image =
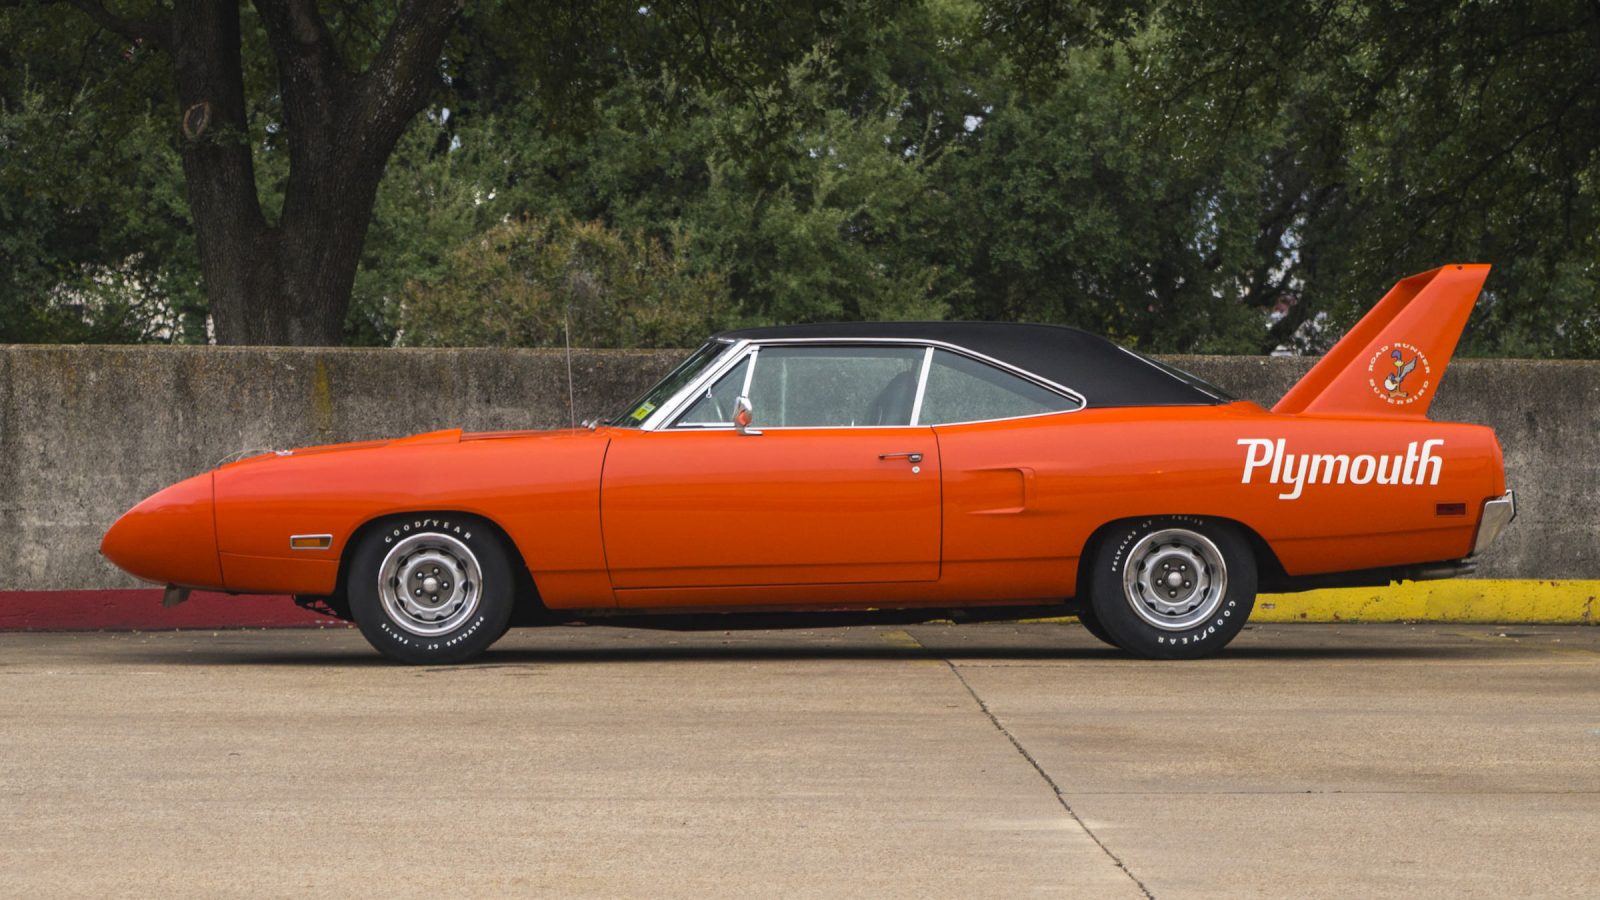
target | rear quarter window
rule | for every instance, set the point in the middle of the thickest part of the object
(962, 389)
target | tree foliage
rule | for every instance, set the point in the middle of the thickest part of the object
(542, 282)
(1206, 176)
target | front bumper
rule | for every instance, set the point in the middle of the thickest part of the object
(1497, 514)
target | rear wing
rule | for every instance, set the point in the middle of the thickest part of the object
(1391, 362)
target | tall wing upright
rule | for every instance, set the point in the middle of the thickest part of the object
(1415, 325)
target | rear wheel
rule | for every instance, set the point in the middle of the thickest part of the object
(1173, 587)
(431, 589)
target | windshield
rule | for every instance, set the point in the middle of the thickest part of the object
(686, 371)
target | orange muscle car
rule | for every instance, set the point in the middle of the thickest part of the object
(892, 471)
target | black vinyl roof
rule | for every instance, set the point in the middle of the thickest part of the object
(1104, 373)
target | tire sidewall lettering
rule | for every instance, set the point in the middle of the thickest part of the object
(1132, 535)
(496, 597)
(445, 526)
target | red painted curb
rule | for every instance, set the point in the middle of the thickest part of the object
(140, 609)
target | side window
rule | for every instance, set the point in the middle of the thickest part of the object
(962, 389)
(715, 406)
(840, 386)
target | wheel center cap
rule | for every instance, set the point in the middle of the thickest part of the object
(430, 584)
(1174, 579)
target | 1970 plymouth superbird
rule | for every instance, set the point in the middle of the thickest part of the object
(901, 471)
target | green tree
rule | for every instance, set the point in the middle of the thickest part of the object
(833, 215)
(95, 243)
(541, 282)
(341, 83)
(1216, 175)
(1075, 210)
(1409, 135)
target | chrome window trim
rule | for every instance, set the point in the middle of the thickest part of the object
(722, 367)
(750, 370)
(766, 428)
(1038, 415)
(922, 386)
(680, 401)
(1024, 374)
(662, 417)
(675, 398)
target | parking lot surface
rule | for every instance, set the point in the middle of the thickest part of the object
(971, 761)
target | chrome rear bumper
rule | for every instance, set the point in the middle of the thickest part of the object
(1497, 514)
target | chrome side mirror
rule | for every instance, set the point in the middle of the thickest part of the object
(743, 416)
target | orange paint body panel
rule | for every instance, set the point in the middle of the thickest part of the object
(809, 506)
(169, 537)
(541, 489)
(1346, 473)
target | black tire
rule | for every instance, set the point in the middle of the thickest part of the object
(464, 563)
(1206, 573)
(1091, 624)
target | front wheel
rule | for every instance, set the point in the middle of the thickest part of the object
(1091, 624)
(431, 589)
(1173, 587)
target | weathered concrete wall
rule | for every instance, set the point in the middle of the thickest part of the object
(85, 432)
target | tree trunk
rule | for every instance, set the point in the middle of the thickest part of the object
(290, 283)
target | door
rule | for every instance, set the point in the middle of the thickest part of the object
(836, 488)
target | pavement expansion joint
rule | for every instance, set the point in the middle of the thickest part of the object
(1060, 797)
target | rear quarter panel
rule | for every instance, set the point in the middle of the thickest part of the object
(1088, 468)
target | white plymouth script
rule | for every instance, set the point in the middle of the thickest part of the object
(1301, 469)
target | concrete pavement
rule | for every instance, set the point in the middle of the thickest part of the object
(972, 761)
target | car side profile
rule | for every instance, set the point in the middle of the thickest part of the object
(889, 471)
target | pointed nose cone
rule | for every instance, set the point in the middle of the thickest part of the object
(170, 538)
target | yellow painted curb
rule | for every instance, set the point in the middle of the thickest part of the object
(1465, 600)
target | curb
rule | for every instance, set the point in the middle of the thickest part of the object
(1463, 600)
(139, 609)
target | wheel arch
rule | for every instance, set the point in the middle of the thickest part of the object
(1269, 571)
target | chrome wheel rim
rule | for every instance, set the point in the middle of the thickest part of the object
(1175, 579)
(430, 584)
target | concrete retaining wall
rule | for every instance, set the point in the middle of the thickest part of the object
(85, 432)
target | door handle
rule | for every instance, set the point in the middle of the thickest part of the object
(912, 456)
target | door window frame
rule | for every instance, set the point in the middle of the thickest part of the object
(665, 418)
